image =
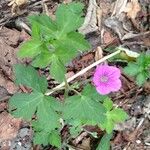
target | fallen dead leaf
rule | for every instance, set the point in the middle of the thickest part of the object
(3, 106)
(107, 37)
(85, 144)
(128, 125)
(67, 1)
(9, 126)
(24, 36)
(98, 53)
(146, 41)
(90, 22)
(130, 53)
(16, 4)
(7, 84)
(8, 58)
(132, 8)
(119, 7)
(147, 87)
(9, 42)
(118, 139)
(69, 74)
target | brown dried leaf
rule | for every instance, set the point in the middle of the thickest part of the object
(107, 37)
(132, 8)
(18, 2)
(69, 74)
(146, 41)
(9, 40)
(7, 84)
(9, 126)
(119, 7)
(98, 53)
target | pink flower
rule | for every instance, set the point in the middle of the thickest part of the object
(107, 79)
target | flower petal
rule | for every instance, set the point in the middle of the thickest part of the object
(113, 72)
(114, 85)
(96, 80)
(103, 90)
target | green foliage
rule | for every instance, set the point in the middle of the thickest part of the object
(77, 111)
(45, 108)
(29, 77)
(45, 138)
(105, 142)
(84, 108)
(75, 127)
(113, 115)
(139, 69)
(57, 69)
(56, 42)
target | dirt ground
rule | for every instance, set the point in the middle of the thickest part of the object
(108, 24)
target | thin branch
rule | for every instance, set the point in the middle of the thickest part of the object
(83, 71)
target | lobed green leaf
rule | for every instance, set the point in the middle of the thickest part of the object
(30, 49)
(57, 69)
(28, 76)
(105, 142)
(68, 17)
(132, 69)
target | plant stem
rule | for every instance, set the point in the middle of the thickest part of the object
(67, 87)
(83, 71)
(75, 91)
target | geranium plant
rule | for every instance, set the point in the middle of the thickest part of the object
(55, 43)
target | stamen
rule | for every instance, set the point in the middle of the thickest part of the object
(104, 79)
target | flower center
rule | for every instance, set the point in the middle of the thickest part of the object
(104, 79)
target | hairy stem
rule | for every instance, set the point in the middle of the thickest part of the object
(83, 71)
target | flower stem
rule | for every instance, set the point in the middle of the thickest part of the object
(67, 87)
(83, 71)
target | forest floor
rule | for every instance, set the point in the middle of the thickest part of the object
(109, 24)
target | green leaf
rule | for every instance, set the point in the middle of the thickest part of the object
(115, 115)
(64, 52)
(141, 78)
(75, 41)
(105, 142)
(118, 115)
(75, 127)
(132, 69)
(26, 105)
(47, 115)
(44, 137)
(108, 125)
(30, 48)
(68, 17)
(139, 69)
(45, 22)
(85, 109)
(141, 59)
(28, 76)
(75, 131)
(41, 137)
(55, 139)
(90, 91)
(42, 60)
(56, 38)
(108, 104)
(36, 31)
(57, 69)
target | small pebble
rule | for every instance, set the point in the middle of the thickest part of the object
(138, 141)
